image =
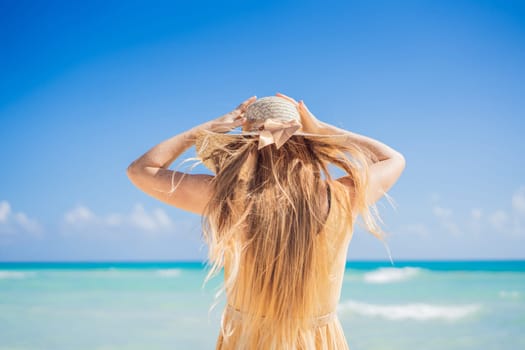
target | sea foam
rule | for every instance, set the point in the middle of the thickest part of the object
(411, 311)
(169, 272)
(391, 274)
(5, 274)
(509, 294)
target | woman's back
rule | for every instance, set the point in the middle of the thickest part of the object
(332, 245)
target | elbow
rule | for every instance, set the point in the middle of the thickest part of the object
(132, 170)
(401, 160)
(402, 157)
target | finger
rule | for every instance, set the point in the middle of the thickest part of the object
(300, 107)
(304, 112)
(240, 121)
(246, 103)
(280, 94)
(240, 115)
(286, 97)
(227, 126)
(303, 107)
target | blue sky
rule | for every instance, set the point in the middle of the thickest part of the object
(85, 89)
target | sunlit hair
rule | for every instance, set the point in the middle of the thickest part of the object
(264, 226)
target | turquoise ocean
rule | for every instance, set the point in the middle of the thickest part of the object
(164, 305)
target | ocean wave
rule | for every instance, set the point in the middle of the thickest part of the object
(391, 274)
(5, 274)
(411, 311)
(169, 272)
(509, 294)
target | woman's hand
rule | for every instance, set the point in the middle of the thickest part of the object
(310, 123)
(150, 172)
(230, 120)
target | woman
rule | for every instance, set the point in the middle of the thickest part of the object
(273, 216)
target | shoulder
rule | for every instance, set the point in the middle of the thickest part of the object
(343, 195)
(338, 228)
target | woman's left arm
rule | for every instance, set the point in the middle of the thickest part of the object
(150, 171)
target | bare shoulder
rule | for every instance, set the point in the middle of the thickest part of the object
(346, 186)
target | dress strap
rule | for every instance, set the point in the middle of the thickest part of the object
(316, 321)
(329, 193)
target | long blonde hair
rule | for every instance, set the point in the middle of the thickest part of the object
(264, 224)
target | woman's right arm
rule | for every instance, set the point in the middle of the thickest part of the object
(384, 173)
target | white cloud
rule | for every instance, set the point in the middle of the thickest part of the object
(79, 216)
(444, 216)
(518, 212)
(12, 222)
(114, 219)
(5, 210)
(518, 201)
(498, 220)
(154, 221)
(452, 227)
(442, 213)
(476, 214)
(27, 223)
(417, 229)
(511, 221)
(475, 223)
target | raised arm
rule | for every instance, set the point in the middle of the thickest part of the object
(384, 173)
(150, 171)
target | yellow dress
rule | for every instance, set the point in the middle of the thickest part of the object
(329, 334)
